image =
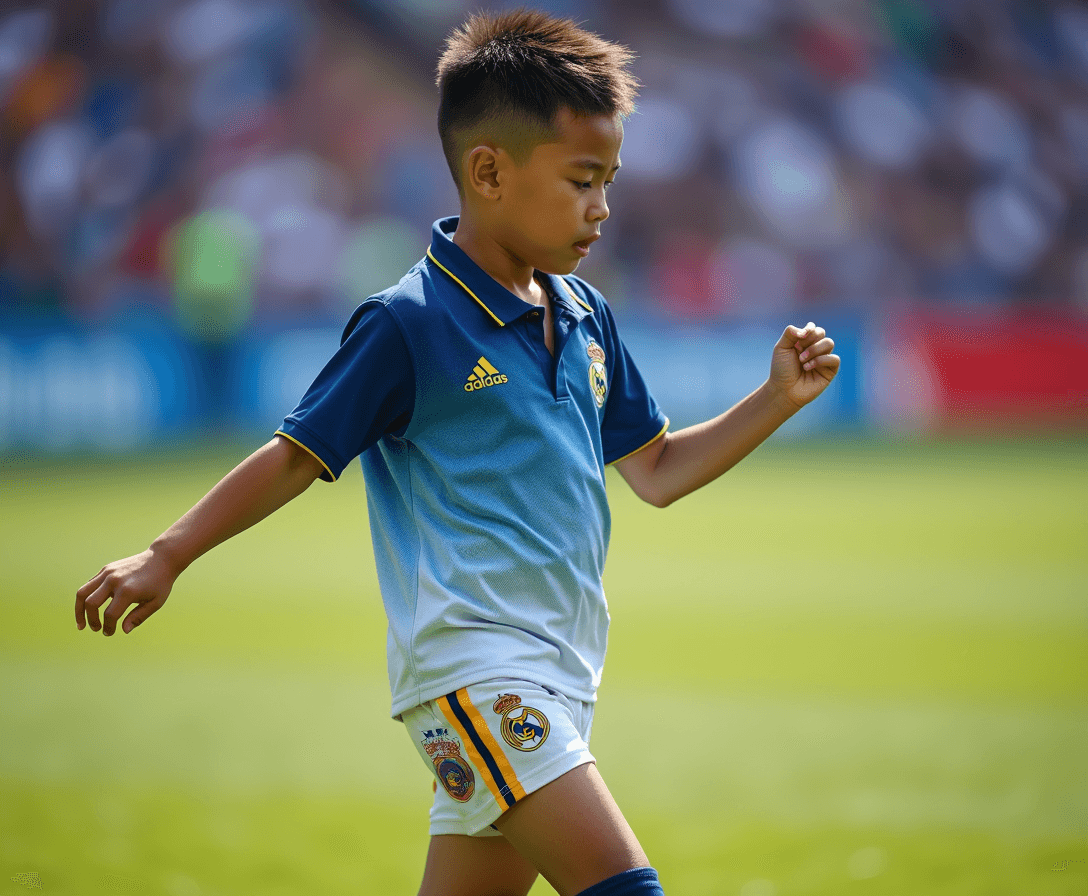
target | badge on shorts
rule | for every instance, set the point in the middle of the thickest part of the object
(523, 727)
(451, 769)
(598, 379)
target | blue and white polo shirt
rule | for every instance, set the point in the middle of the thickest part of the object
(484, 458)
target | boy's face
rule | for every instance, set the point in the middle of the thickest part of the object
(552, 207)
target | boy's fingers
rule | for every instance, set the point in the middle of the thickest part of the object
(810, 338)
(92, 603)
(115, 611)
(91, 584)
(825, 363)
(85, 591)
(817, 348)
(791, 335)
(137, 616)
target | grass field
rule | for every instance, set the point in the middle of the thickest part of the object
(845, 668)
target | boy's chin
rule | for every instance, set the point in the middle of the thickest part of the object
(560, 269)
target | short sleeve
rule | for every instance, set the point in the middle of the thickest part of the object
(364, 391)
(632, 418)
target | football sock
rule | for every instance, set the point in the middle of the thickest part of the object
(635, 882)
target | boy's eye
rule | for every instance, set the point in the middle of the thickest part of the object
(588, 184)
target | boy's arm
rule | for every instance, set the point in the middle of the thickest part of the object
(678, 463)
(262, 483)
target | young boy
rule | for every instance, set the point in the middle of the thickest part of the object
(486, 393)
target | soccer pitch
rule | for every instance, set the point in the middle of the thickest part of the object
(847, 667)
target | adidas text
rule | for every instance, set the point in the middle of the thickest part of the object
(476, 383)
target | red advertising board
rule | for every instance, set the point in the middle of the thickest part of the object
(984, 368)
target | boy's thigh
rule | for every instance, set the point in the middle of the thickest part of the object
(572, 831)
(458, 865)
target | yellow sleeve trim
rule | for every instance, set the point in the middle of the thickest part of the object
(465, 288)
(637, 450)
(574, 296)
(280, 432)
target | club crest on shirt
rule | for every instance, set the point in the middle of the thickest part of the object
(450, 767)
(523, 727)
(598, 379)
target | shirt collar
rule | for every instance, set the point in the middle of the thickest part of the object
(492, 298)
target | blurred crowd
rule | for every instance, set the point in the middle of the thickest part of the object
(231, 163)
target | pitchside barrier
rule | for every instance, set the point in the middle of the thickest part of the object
(65, 388)
(990, 369)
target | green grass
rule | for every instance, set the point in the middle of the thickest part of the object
(844, 668)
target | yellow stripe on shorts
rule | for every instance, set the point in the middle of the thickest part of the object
(482, 747)
(470, 748)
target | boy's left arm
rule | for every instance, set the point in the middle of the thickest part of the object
(676, 464)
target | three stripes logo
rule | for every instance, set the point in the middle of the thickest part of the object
(483, 375)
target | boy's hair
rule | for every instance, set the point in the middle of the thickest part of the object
(506, 76)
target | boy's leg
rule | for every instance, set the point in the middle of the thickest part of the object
(459, 865)
(573, 832)
(516, 754)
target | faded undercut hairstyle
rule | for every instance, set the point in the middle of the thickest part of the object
(504, 77)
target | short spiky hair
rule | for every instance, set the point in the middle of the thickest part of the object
(506, 76)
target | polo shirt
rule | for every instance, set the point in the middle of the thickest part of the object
(484, 458)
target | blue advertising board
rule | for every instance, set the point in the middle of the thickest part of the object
(139, 383)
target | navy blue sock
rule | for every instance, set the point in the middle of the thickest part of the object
(635, 882)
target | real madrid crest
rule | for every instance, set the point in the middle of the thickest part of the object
(450, 767)
(523, 727)
(598, 378)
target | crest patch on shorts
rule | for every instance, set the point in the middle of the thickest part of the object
(450, 767)
(523, 727)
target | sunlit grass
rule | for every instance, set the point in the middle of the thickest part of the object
(843, 668)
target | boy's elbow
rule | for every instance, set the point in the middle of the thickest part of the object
(646, 476)
(648, 487)
(655, 497)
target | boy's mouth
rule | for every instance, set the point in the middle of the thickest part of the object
(583, 247)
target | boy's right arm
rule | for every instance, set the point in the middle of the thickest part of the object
(262, 483)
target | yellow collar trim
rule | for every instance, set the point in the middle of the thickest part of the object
(482, 305)
(465, 288)
(575, 297)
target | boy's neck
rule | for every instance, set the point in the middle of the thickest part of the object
(496, 261)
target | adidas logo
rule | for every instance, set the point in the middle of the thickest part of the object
(483, 375)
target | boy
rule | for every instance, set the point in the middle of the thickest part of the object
(485, 394)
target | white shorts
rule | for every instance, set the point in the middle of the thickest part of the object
(493, 743)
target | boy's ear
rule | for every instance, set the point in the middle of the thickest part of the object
(483, 172)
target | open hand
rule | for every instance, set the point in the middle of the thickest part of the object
(802, 364)
(144, 579)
